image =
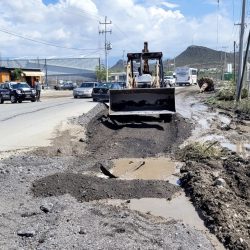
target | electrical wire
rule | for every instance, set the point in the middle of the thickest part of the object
(40, 41)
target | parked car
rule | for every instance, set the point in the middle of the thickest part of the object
(101, 92)
(66, 86)
(169, 81)
(84, 90)
(16, 92)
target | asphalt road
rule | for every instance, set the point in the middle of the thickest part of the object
(27, 125)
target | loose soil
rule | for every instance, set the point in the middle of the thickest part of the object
(50, 197)
(225, 209)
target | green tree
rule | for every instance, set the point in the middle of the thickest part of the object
(16, 74)
(100, 73)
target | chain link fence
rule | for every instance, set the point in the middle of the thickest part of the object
(59, 69)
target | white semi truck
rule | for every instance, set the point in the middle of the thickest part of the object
(185, 76)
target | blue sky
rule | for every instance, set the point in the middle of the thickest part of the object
(50, 1)
(193, 8)
(71, 27)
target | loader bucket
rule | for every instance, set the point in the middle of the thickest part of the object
(142, 101)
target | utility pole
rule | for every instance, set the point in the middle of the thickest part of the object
(234, 61)
(245, 63)
(224, 63)
(123, 59)
(107, 46)
(240, 66)
(46, 73)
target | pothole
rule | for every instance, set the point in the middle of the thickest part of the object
(179, 208)
(241, 148)
(145, 169)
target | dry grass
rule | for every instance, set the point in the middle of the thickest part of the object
(198, 151)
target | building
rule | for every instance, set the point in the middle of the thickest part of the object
(4, 75)
(27, 75)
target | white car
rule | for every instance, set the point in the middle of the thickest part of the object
(84, 90)
(169, 80)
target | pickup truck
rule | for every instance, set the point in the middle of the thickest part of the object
(16, 92)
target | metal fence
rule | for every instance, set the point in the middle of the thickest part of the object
(74, 69)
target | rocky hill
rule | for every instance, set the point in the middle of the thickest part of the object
(202, 57)
(193, 56)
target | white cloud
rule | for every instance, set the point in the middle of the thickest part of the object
(74, 23)
(170, 5)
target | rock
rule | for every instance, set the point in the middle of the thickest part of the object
(81, 140)
(27, 232)
(46, 207)
(216, 174)
(120, 230)
(233, 126)
(220, 182)
(225, 127)
(82, 231)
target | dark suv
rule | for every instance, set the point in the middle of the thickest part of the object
(16, 92)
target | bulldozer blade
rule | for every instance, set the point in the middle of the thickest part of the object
(142, 101)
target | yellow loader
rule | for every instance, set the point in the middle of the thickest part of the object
(144, 93)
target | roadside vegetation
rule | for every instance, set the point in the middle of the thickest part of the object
(198, 151)
(225, 99)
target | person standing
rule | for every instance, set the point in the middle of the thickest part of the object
(38, 90)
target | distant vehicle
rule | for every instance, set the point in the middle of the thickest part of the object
(84, 90)
(169, 81)
(101, 91)
(16, 92)
(185, 76)
(66, 86)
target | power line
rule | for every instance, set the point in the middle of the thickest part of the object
(40, 41)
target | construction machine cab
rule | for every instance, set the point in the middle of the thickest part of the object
(148, 75)
(144, 93)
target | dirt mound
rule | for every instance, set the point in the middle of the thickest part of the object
(135, 136)
(206, 84)
(220, 191)
(88, 188)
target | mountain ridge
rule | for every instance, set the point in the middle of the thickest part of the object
(193, 56)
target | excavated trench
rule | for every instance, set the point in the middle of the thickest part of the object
(141, 153)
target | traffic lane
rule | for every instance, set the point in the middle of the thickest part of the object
(8, 109)
(23, 128)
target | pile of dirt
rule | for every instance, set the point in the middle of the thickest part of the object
(219, 190)
(206, 84)
(46, 194)
(89, 188)
(135, 136)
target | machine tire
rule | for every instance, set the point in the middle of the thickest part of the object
(75, 96)
(166, 118)
(13, 99)
(20, 101)
(33, 100)
(1, 100)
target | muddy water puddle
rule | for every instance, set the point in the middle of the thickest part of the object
(179, 208)
(162, 168)
(146, 169)
(235, 140)
(240, 148)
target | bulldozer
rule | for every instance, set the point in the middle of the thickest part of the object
(145, 93)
